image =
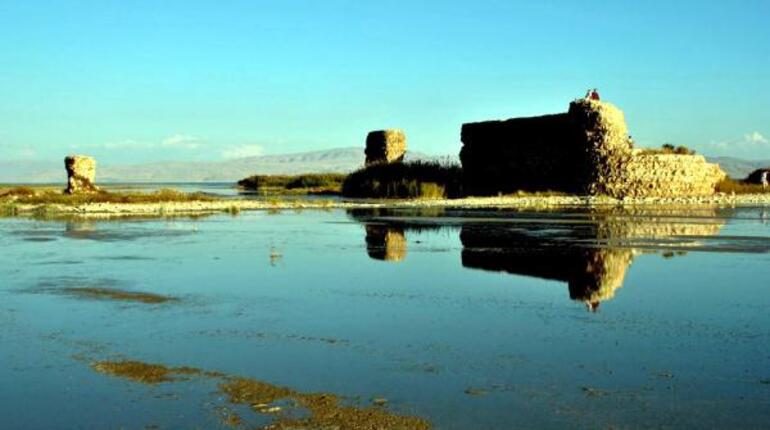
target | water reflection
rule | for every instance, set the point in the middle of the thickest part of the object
(592, 275)
(589, 251)
(386, 243)
(385, 234)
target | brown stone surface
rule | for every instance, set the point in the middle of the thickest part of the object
(385, 146)
(661, 175)
(81, 174)
(605, 145)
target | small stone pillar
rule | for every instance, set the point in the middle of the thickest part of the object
(385, 146)
(81, 174)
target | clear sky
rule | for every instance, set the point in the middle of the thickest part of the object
(132, 81)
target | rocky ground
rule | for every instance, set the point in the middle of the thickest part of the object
(236, 206)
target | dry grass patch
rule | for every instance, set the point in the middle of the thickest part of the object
(730, 186)
(668, 149)
(26, 195)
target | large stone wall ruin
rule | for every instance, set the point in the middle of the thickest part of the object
(586, 150)
(535, 153)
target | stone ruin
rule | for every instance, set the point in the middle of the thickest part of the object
(585, 150)
(385, 146)
(81, 174)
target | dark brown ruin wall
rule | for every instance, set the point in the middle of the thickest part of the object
(535, 154)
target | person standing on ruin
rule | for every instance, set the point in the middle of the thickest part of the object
(592, 94)
(763, 179)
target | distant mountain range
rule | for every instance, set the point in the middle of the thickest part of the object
(331, 160)
(738, 168)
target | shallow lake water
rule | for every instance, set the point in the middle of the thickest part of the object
(486, 319)
(222, 190)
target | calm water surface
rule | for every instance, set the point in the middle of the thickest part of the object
(217, 189)
(469, 319)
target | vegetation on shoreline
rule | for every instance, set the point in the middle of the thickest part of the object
(28, 195)
(431, 180)
(410, 181)
(309, 183)
(730, 186)
(668, 148)
(417, 179)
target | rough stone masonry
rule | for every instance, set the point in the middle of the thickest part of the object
(385, 146)
(81, 174)
(586, 150)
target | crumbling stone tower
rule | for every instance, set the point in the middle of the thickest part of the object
(607, 150)
(385, 146)
(81, 174)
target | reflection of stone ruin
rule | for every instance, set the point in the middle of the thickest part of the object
(590, 252)
(385, 243)
(81, 174)
(385, 146)
(386, 237)
(586, 150)
(80, 229)
(669, 226)
(592, 275)
(593, 272)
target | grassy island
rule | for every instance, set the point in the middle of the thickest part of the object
(309, 183)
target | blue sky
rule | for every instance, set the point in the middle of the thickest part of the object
(133, 81)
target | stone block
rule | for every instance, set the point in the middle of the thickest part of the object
(385, 146)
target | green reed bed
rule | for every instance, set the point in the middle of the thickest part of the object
(295, 184)
(417, 179)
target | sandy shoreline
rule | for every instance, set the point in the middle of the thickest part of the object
(235, 206)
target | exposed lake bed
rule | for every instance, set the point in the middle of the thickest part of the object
(482, 318)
